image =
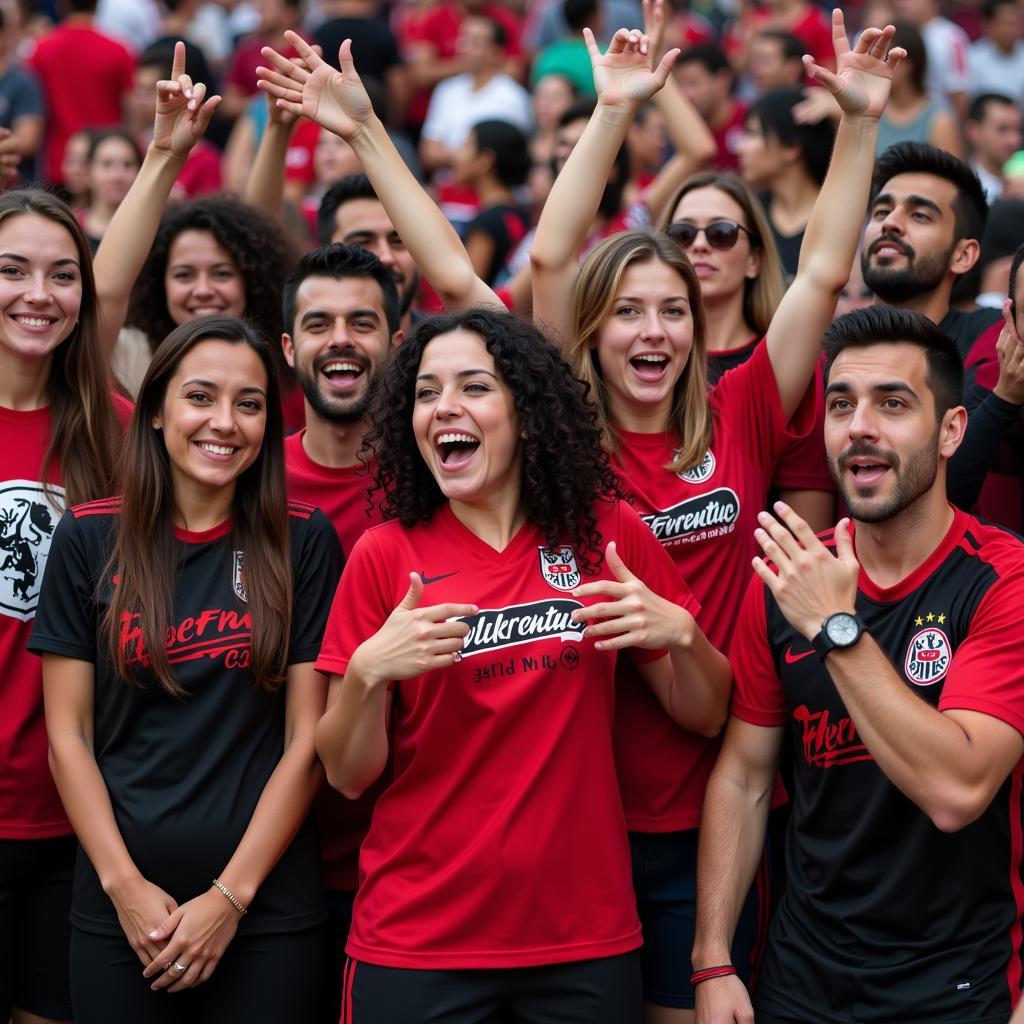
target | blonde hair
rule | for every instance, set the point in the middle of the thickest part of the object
(596, 287)
(761, 294)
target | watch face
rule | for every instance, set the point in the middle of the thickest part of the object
(841, 629)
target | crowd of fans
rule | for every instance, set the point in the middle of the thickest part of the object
(392, 393)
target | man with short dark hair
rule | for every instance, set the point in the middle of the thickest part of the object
(996, 60)
(993, 129)
(707, 80)
(775, 60)
(341, 317)
(894, 666)
(350, 212)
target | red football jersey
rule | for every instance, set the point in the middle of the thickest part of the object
(705, 518)
(341, 495)
(501, 841)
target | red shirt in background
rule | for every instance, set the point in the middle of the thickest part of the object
(86, 76)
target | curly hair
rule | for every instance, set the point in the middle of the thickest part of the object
(257, 245)
(565, 468)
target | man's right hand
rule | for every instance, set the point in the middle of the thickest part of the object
(724, 1001)
(1010, 350)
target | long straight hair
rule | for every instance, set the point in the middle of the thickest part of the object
(761, 294)
(145, 558)
(596, 287)
(84, 431)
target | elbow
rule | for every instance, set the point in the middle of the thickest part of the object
(346, 786)
(953, 812)
(542, 262)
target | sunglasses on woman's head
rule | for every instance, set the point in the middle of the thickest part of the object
(721, 234)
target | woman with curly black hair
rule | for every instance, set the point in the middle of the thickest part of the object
(495, 877)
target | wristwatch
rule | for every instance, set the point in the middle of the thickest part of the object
(838, 631)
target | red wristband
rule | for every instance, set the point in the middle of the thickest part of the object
(721, 971)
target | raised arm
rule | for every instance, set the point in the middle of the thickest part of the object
(182, 115)
(337, 101)
(688, 132)
(624, 81)
(861, 88)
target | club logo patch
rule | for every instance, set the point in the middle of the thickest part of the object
(27, 522)
(238, 576)
(928, 657)
(704, 469)
(558, 567)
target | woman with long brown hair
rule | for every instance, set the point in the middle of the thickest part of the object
(58, 438)
(697, 464)
(178, 625)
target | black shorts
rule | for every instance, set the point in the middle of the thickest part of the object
(261, 979)
(604, 991)
(35, 900)
(339, 920)
(665, 882)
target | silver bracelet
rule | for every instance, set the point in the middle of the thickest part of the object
(230, 896)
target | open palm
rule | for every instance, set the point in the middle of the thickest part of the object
(622, 75)
(863, 75)
(336, 100)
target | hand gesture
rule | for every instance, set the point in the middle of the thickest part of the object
(336, 100)
(414, 640)
(141, 906)
(811, 583)
(637, 617)
(723, 1001)
(278, 115)
(655, 24)
(182, 112)
(1010, 352)
(863, 75)
(197, 934)
(10, 157)
(622, 75)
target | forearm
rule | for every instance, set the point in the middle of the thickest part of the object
(87, 802)
(987, 427)
(572, 204)
(128, 239)
(692, 141)
(732, 834)
(926, 754)
(282, 807)
(834, 227)
(265, 187)
(701, 683)
(352, 738)
(424, 229)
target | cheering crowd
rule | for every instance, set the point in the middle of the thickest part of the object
(511, 519)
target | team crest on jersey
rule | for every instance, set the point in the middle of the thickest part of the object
(704, 469)
(558, 566)
(928, 657)
(238, 576)
(27, 522)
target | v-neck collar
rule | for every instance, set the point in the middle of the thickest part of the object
(526, 535)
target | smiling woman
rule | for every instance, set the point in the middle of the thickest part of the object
(501, 676)
(178, 625)
(58, 436)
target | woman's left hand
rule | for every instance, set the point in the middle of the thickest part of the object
(623, 75)
(199, 932)
(863, 75)
(182, 111)
(636, 617)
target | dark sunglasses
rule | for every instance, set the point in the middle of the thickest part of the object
(721, 234)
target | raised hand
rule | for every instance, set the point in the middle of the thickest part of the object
(810, 583)
(9, 155)
(863, 75)
(636, 617)
(1010, 353)
(655, 25)
(278, 115)
(414, 639)
(182, 110)
(336, 100)
(623, 76)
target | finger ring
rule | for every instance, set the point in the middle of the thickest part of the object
(180, 968)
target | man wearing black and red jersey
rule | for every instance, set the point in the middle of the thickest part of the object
(892, 659)
(341, 312)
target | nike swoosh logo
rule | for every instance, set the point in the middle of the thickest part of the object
(792, 659)
(433, 579)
